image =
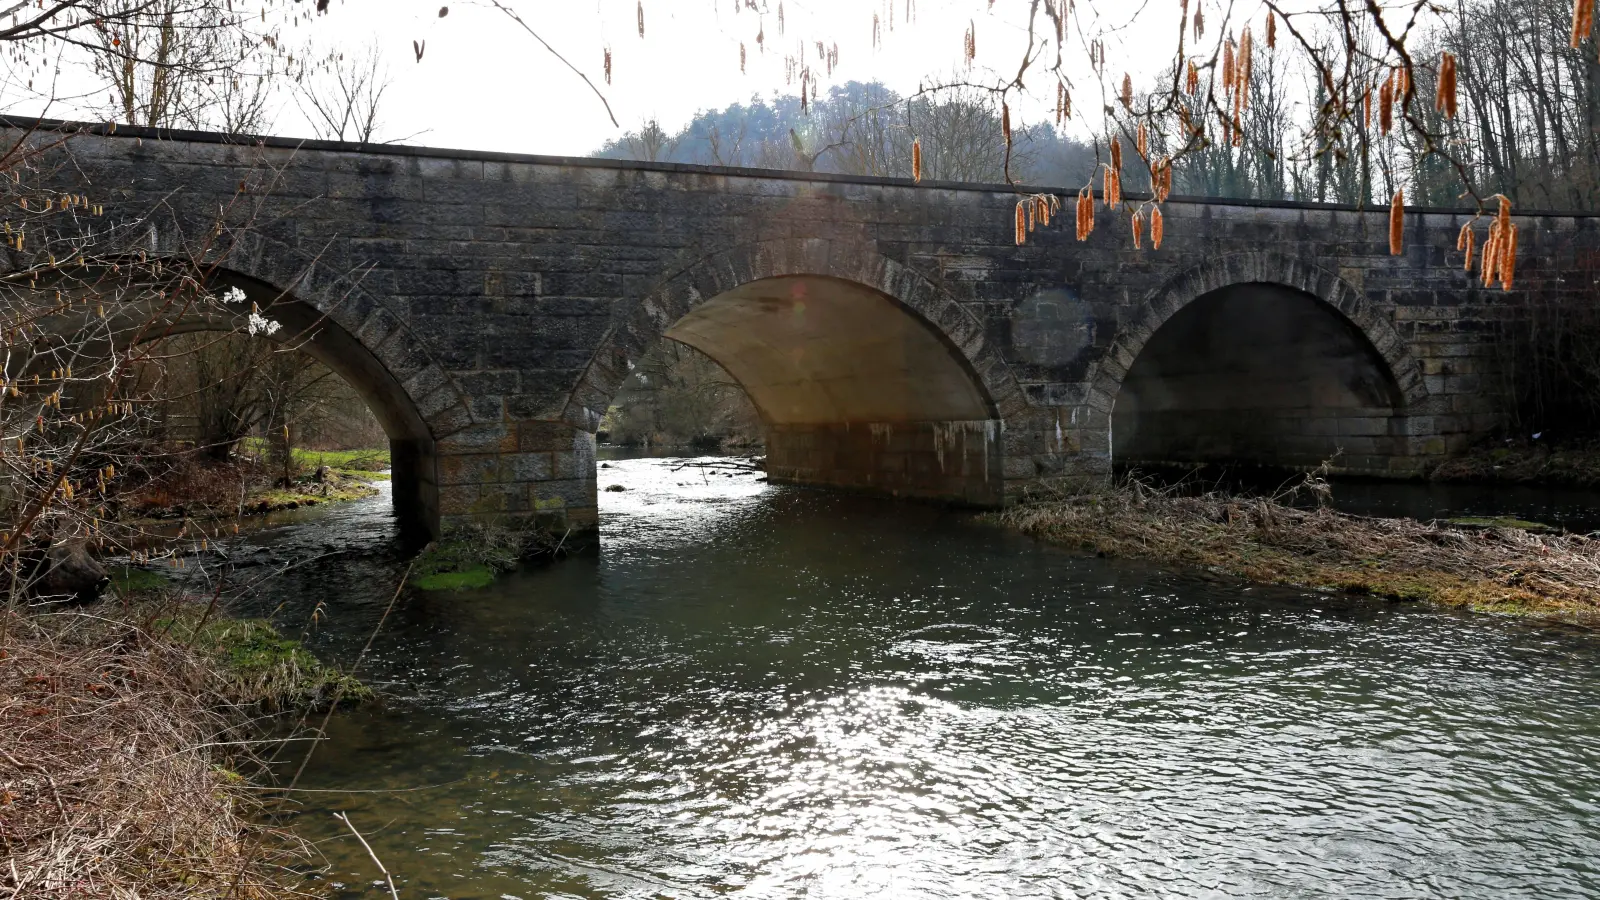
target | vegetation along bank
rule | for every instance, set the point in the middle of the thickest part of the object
(1492, 565)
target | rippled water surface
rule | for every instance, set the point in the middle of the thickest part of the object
(772, 692)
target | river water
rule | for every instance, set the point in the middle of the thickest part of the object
(776, 692)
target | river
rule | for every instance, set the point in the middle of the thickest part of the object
(776, 692)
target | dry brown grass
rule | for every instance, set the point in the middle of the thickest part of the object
(1488, 569)
(116, 768)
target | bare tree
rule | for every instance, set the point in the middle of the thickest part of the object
(651, 143)
(179, 62)
(343, 96)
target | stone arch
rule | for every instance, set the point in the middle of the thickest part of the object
(931, 426)
(857, 263)
(345, 301)
(1255, 267)
(1260, 359)
(335, 319)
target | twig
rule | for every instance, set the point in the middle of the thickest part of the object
(338, 692)
(394, 894)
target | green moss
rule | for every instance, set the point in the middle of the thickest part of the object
(260, 665)
(468, 557)
(1499, 522)
(129, 581)
(310, 495)
(465, 580)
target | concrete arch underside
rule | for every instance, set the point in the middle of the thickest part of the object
(1282, 368)
(866, 377)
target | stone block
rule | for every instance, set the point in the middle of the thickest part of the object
(468, 469)
(544, 436)
(525, 467)
(495, 437)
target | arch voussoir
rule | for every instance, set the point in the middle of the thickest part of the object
(1260, 267)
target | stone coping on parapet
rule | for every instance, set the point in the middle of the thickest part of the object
(26, 123)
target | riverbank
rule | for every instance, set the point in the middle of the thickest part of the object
(1532, 462)
(1488, 566)
(194, 487)
(127, 730)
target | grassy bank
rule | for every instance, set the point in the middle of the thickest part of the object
(192, 486)
(125, 732)
(1490, 568)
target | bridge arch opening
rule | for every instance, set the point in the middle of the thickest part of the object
(854, 389)
(307, 330)
(1260, 375)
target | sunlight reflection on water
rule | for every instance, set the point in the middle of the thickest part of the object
(783, 693)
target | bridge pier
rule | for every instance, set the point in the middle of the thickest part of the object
(414, 482)
(955, 461)
(518, 472)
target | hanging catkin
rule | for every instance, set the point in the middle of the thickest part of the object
(1142, 141)
(1112, 188)
(1464, 241)
(1508, 259)
(1397, 222)
(1582, 21)
(1272, 31)
(1242, 64)
(1127, 91)
(1157, 228)
(1505, 257)
(1386, 106)
(1138, 230)
(916, 160)
(1022, 224)
(1491, 253)
(1192, 83)
(1445, 101)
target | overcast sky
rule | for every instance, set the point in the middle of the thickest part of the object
(484, 83)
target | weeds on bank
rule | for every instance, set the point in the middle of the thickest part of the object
(119, 768)
(1488, 567)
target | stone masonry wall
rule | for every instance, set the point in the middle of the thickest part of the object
(507, 294)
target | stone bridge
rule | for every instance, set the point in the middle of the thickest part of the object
(893, 335)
